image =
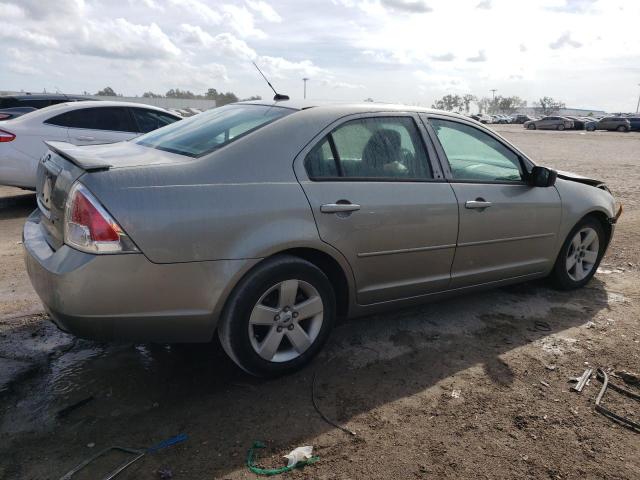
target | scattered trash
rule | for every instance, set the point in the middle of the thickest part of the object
(67, 410)
(604, 271)
(545, 383)
(136, 454)
(455, 393)
(91, 445)
(626, 422)
(541, 326)
(322, 415)
(164, 473)
(590, 325)
(299, 456)
(628, 377)
(550, 367)
(582, 380)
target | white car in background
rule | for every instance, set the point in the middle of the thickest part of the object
(80, 123)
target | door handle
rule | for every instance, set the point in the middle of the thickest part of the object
(85, 139)
(339, 207)
(477, 203)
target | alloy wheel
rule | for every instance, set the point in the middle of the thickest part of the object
(286, 320)
(582, 254)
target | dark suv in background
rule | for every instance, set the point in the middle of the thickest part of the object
(12, 106)
(621, 124)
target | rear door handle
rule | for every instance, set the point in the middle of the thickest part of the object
(478, 203)
(339, 207)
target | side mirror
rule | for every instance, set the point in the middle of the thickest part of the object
(542, 177)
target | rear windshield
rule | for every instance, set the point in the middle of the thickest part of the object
(210, 130)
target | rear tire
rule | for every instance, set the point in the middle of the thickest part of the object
(580, 255)
(278, 317)
(531, 126)
(622, 128)
(560, 127)
(591, 129)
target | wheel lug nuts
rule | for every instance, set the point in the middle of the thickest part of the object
(279, 329)
(295, 315)
(290, 327)
(276, 318)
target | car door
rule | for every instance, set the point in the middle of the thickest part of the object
(508, 229)
(378, 199)
(95, 125)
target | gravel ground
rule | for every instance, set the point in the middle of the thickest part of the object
(473, 387)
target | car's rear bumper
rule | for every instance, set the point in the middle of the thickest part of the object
(127, 297)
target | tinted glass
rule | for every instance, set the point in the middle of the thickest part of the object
(115, 119)
(149, 120)
(475, 155)
(210, 130)
(381, 147)
(36, 103)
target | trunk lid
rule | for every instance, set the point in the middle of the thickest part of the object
(65, 163)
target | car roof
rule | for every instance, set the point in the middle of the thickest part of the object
(349, 107)
(48, 112)
(42, 96)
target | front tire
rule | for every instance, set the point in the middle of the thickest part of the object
(622, 128)
(531, 126)
(560, 127)
(580, 255)
(278, 317)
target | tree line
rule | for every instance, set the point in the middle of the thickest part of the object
(221, 98)
(495, 105)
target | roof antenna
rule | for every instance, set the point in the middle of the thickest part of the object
(277, 96)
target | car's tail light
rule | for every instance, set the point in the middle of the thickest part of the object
(89, 227)
(6, 136)
(4, 116)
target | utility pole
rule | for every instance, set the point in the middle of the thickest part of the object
(305, 86)
(638, 105)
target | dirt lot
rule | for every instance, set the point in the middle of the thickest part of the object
(474, 387)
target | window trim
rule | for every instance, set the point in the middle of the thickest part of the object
(327, 132)
(525, 163)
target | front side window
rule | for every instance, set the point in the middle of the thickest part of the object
(474, 155)
(210, 130)
(371, 148)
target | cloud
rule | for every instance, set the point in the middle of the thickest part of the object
(437, 82)
(564, 40)
(333, 83)
(38, 10)
(120, 38)
(242, 21)
(22, 69)
(484, 5)
(265, 10)
(523, 47)
(17, 34)
(409, 6)
(279, 67)
(198, 10)
(223, 43)
(447, 57)
(481, 57)
(574, 6)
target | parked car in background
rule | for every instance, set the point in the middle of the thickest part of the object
(578, 123)
(620, 124)
(549, 123)
(634, 123)
(521, 118)
(262, 222)
(482, 118)
(37, 100)
(9, 113)
(80, 123)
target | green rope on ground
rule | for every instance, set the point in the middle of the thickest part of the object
(251, 458)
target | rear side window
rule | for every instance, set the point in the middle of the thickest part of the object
(372, 148)
(210, 130)
(149, 120)
(115, 119)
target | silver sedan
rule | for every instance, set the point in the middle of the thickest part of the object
(262, 222)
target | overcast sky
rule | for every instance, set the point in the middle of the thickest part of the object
(583, 52)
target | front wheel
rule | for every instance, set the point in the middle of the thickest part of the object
(560, 127)
(278, 317)
(580, 255)
(622, 128)
(531, 126)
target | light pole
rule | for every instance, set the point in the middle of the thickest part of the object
(305, 86)
(493, 91)
(638, 105)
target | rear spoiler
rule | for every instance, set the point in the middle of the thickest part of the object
(78, 156)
